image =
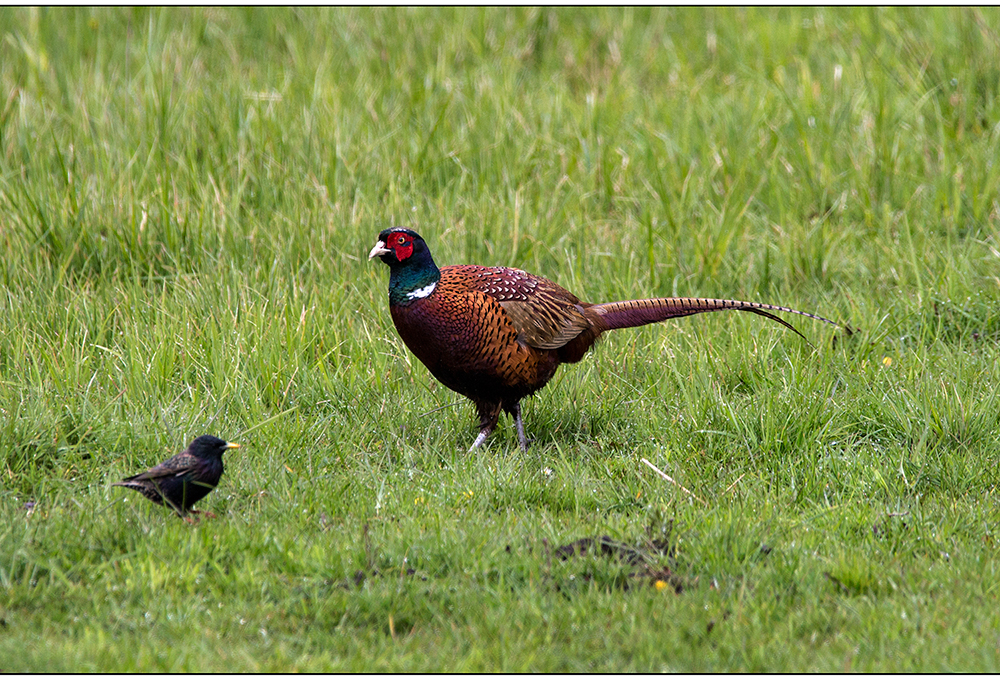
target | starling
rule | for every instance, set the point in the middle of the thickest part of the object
(185, 479)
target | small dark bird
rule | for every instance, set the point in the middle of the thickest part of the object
(497, 335)
(185, 479)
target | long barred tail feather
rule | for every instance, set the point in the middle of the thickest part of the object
(630, 313)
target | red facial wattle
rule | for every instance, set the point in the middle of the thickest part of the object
(401, 246)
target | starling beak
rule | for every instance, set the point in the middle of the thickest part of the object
(185, 479)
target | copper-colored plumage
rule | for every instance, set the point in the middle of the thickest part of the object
(497, 335)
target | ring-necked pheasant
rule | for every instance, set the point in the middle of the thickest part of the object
(497, 335)
(183, 480)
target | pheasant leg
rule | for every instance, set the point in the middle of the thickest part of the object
(483, 434)
(489, 413)
(523, 440)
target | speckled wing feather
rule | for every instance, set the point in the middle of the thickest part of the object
(181, 464)
(546, 315)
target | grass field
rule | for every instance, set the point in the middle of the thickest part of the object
(187, 198)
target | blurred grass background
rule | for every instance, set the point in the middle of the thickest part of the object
(187, 197)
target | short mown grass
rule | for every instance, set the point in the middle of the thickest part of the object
(187, 197)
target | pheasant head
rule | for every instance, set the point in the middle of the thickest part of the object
(412, 272)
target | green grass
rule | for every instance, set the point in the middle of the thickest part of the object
(187, 197)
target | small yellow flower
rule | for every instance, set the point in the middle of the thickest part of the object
(660, 585)
(886, 361)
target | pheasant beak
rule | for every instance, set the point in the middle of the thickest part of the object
(378, 250)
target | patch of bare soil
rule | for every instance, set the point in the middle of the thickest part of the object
(649, 562)
(647, 558)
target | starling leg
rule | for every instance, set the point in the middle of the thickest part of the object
(193, 516)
